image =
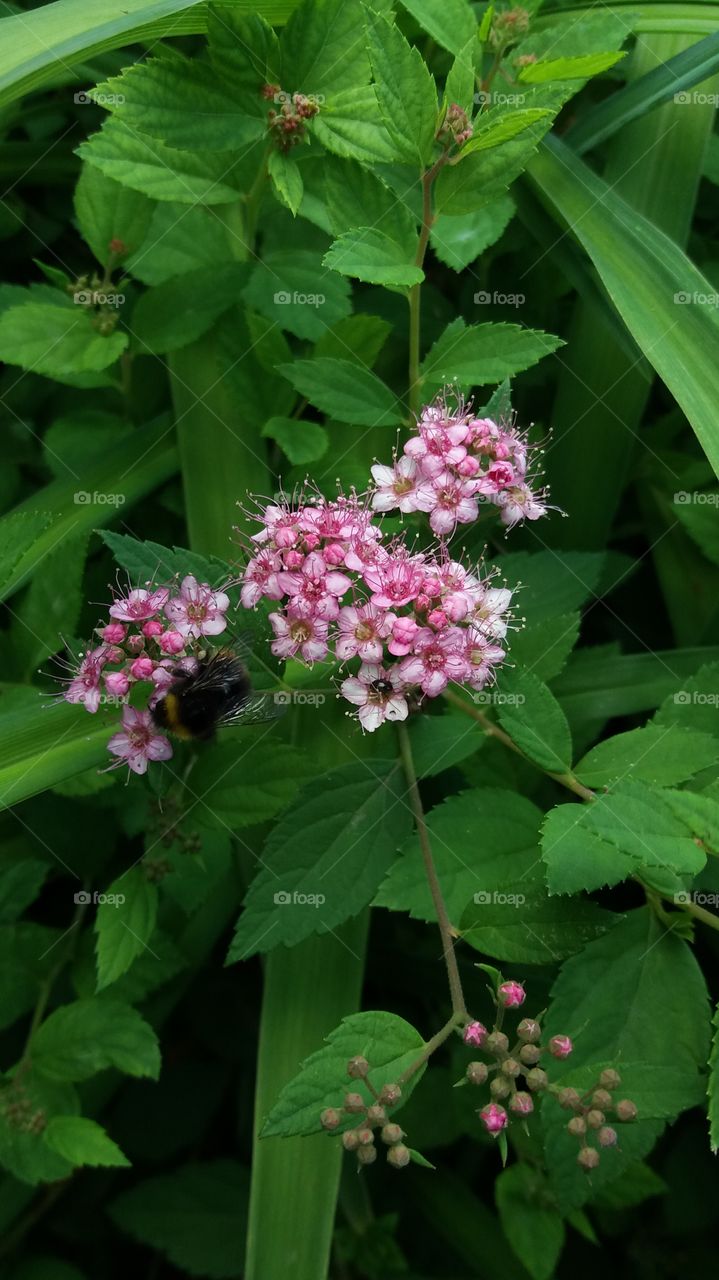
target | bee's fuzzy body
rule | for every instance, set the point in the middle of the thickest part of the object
(199, 702)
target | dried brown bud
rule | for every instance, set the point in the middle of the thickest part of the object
(626, 1110)
(350, 1141)
(529, 1031)
(601, 1099)
(366, 1155)
(588, 1158)
(595, 1119)
(330, 1118)
(390, 1094)
(497, 1043)
(399, 1156)
(569, 1099)
(355, 1103)
(357, 1068)
(537, 1079)
(577, 1126)
(376, 1114)
(392, 1133)
(365, 1137)
(510, 1067)
(607, 1137)
(610, 1079)
(477, 1073)
(529, 1054)
(500, 1087)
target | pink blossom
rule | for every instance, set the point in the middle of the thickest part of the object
(139, 604)
(378, 693)
(482, 656)
(560, 1046)
(84, 686)
(152, 628)
(494, 1118)
(521, 1104)
(261, 579)
(499, 476)
(113, 633)
(198, 610)
(396, 485)
(511, 994)
(449, 500)
(171, 642)
(315, 589)
(117, 683)
(519, 503)
(138, 742)
(396, 580)
(435, 660)
(361, 632)
(296, 634)
(490, 606)
(475, 1034)
(404, 631)
(142, 669)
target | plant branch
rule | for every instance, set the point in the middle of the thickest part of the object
(445, 928)
(455, 1022)
(415, 292)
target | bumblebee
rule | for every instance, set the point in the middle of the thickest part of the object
(218, 693)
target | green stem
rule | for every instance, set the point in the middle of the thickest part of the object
(414, 298)
(459, 1007)
(493, 730)
(455, 1022)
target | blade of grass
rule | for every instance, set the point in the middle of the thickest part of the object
(42, 745)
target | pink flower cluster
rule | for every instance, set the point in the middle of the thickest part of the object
(453, 462)
(148, 639)
(416, 620)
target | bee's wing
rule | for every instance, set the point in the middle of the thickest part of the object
(257, 709)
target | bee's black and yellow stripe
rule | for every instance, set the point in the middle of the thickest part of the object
(168, 714)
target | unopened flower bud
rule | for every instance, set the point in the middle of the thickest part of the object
(569, 1099)
(475, 1034)
(494, 1118)
(610, 1079)
(595, 1118)
(497, 1043)
(390, 1094)
(399, 1156)
(357, 1068)
(354, 1102)
(577, 1126)
(152, 628)
(366, 1155)
(365, 1137)
(521, 1104)
(601, 1099)
(537, 1079)
(626, 1110)
(142, 668)
(330, 1118)
(117, 683)
(529, 1030)
(607, 1137)
(511, 994)
(350, 1141)
(376, 1114)
(510, 1067)
(529, 1054)
(588, 1158)
(392, 1133)
(114, 633)
(477, 1073)
(560, 1046)
(500, 1088)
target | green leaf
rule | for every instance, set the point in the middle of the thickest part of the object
(324, 860)
(21, 879)
(22, 1150)
(694, 706)
(499, 130)
(180, 238)
(177, 312)
(344, 390)
(534, 720)
(648, 279)
(292, 289)
(183, 103)
(107, 211)
(359, 338)
(286, 179)
(663, 755)
(637, 1184)
(80, 1039)
(713, 1086)
(150, 561)
(58, 341)
(124, 924)
(458, 241)
(545, 647)
(697, 513)
(442, 741)
(300, 441)
(370, 255)
(25, 961)
(580, 68)
(450, 22)
(196, 1216)
(689, 67)
(405, 90)
(350, 191)
(481, 841)
(351, 125)
(82, 1141)
(532, 1226)
(521, 924)
(244, 780)
(389, 1044)
(614, 837)
(474, 355)
(321, 54)
(162, 172)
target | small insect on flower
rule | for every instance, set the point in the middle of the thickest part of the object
(217, 693)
